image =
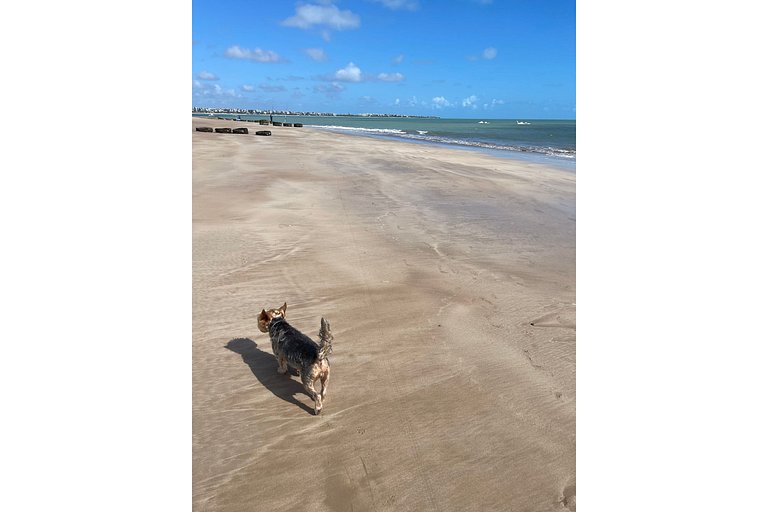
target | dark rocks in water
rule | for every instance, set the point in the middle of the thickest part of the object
(204, 129)
(223, 130)
(264, 122)
(263, 132)
(240, 130)
(277, 123)
(298, 125)
(287, 124)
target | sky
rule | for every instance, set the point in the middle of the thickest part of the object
(452, 59)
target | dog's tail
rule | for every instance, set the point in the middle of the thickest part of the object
(325, 339)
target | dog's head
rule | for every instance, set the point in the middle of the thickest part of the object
(265, 317)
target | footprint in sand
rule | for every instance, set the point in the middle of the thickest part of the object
(568, 499)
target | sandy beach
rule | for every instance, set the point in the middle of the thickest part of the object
(448, 278)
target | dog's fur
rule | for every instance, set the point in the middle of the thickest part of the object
(294, 349)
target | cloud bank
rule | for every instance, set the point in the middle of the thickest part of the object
(205, 75)
(352, 73)
(310, 16)
(391, 77)
(257, 54)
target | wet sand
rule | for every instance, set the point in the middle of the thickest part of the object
(448, 278)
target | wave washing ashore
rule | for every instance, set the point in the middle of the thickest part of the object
(543, 141)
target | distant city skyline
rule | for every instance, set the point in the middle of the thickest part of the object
(308, 113)
(465, 58)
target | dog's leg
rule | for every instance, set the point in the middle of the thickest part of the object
(308, 378)
(282, 365)
(325, 375)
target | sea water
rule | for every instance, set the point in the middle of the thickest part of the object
(551, 142)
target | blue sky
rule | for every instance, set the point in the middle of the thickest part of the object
(453, 59)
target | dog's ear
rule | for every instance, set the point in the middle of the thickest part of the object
(284, 307)
(263, 321)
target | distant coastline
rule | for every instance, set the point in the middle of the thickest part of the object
(258, 112)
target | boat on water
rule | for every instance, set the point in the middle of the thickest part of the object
(522, 122)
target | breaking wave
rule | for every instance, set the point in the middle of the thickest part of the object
(422, 136)
(387, 131)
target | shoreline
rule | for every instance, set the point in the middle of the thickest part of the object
(448, 278)
(564, 164)
(525, 155)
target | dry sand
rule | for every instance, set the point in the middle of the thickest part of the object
(448, 278)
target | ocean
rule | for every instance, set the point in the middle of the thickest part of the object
(551, 142)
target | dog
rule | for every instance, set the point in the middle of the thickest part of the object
(297, 350)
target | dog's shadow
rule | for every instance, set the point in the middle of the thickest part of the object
(263, 365)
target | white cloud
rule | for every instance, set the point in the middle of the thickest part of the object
(391, 77)
(257, 54)
(470, 101)
(213, 90)
(440, 102)
(351, 73)
(205, 75)
(309, 15)
(248, 88)
(490, 53)
(397, 101)
(398, 60)
(316, 54)
(410, 5)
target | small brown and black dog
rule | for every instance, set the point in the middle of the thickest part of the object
(297, 350)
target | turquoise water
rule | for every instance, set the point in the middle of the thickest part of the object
(546, 141)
